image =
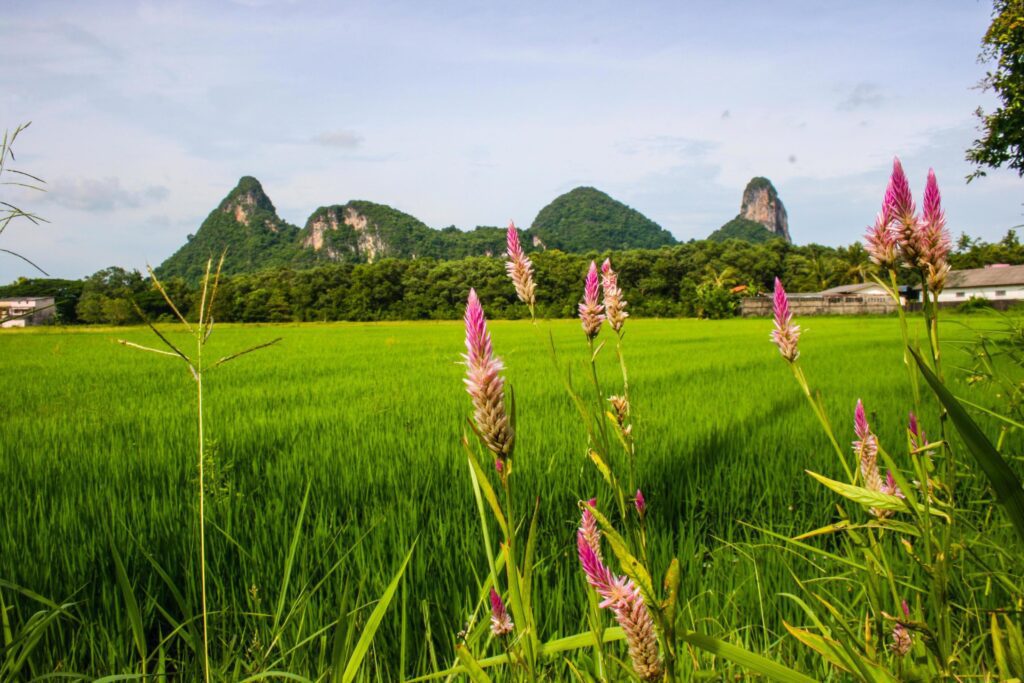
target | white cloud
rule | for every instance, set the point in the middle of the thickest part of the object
(101, 194)
(344, 139)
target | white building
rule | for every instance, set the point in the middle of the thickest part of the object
(26, 310)
(995, 283)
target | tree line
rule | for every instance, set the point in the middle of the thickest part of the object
(696, 279)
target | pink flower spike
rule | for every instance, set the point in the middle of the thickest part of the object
(860, 421)
(901, 640)
(484, 382)
(906, 609)
(501, 622)
(899, 202)
(866, 449)
(935, 242)
(621, 595)
(640, 503)
(891, 487)
(881, 244)
(614, 306)
(591, 314)
(917, 438)
(933, 201)
(520, 268)
(786, 334)
(589, 530)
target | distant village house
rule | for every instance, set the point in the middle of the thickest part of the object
(858, 299)
(1000, 284)
(27, 310)
(996, 283)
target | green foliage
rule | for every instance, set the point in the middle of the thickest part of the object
(1002, 139)
(715, 302)
(743, 229)
(586, 218)
(975, 304)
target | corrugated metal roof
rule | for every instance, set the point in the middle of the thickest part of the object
(986, 277)
(844, 289)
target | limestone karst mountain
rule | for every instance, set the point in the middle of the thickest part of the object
(246, 224)
(762, 215)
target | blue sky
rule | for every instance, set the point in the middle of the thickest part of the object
(145, 114)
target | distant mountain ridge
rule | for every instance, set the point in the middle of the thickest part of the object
(247, 225)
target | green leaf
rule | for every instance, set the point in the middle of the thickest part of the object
(486, 488)
(131, 604)
(373, 623)
(748, 660)
(1003, 481)
(289, 561)
(470, 665)
(869, 498)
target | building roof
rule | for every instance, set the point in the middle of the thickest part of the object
(852, 289)
(991, 276)
(19, 299)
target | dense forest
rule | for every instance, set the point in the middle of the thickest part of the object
(698, 278)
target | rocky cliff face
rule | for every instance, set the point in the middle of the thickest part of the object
(341, 232)
(761, 204)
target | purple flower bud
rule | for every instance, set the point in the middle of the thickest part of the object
(640, 503)
(501, 622)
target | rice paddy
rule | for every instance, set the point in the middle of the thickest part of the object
(98, 468)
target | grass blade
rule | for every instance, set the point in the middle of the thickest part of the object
(373, 623)
(1004, 482)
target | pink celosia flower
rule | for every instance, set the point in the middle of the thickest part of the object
(589, 530)
(614, 306)
(620, 595)
(501, 622)
(900, 213)
(899, 201)
(484, 382)
(880, 242)
(520, 268)
(590, 309)
(890, 487)
(640, 503)
(786, 334)
(935, 240)
(866, 448)
(901, 640)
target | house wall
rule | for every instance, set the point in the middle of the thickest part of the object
(26, 313)
(820, 305)
(962, 294)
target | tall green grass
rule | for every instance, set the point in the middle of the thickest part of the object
(99, 443)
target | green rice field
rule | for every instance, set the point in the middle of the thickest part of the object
(98, 467)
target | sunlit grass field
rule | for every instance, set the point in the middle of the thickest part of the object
(98, 457)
